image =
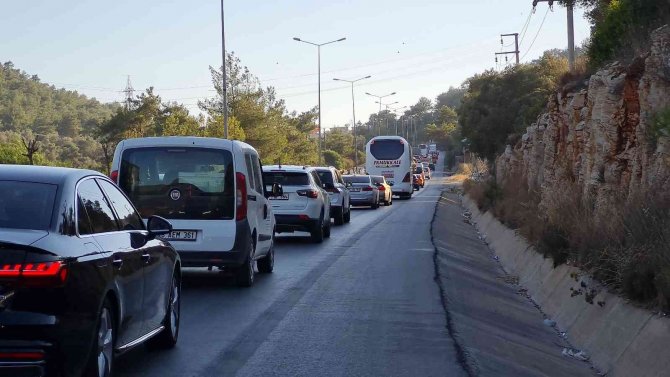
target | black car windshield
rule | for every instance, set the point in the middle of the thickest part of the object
(357, 179)
(326, 176)
(179, 183)
(26, 205)
(286, 178)
(377, 179)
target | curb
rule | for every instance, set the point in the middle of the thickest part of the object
(621, 339)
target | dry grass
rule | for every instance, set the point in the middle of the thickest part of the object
(624, 242)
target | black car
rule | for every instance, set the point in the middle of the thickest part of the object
(82, 279)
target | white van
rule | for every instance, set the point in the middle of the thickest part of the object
(212, 192)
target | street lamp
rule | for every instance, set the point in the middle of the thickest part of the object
(396, 119)
(380, 105)
(224, 91)
(353, 112)
(318, 46)
(387, 109)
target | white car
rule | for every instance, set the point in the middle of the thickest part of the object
(212, 192)
(304, 205)
(426, 170)
(340, 200)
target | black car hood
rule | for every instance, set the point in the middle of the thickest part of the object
(24, 237)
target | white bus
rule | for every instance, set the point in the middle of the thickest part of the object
(391, 157)
(423, 150)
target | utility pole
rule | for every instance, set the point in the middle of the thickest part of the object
(516, 47)
(224, 87)
(571, 29)
(130, 93)
(353, 113)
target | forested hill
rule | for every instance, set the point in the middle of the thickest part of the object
(28, 104)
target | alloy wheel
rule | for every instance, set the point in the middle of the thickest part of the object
(105, 343)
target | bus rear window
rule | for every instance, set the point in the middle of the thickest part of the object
(387, 149)
(180, 183)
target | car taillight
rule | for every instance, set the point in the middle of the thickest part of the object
(31, 355)
(35, 274)
(308, 193)
(406, 179)
(382, 188)
(367, 188)
(241, 202)
(114, 176)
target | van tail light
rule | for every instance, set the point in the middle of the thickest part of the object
(367, 188)
(406, 179)
(312, 194)
(241, 202)
(114, 176)
(37, 274)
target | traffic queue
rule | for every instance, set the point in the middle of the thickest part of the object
(91, 266)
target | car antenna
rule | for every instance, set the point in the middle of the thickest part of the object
(280, 163)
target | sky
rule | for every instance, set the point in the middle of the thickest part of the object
(416, 48)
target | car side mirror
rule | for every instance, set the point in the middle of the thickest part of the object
(158, 226)
(347, 184)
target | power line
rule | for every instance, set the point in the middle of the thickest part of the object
(536, 34)
(524, 29)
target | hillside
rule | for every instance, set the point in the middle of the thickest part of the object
(62, 121)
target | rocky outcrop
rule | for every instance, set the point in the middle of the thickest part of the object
(600, 137)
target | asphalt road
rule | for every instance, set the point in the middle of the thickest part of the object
(363, 303)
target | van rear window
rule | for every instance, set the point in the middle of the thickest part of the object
(180, 183)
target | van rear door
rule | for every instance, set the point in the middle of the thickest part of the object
(193, 187)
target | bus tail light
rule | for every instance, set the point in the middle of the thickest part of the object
(241, 202)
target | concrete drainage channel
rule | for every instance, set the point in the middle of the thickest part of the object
(497, 328)
(618, 338)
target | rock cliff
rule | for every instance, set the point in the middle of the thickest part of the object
(599, 137)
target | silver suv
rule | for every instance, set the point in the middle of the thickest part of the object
(339, 194)
(304, 205)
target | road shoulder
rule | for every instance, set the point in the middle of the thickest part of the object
(500, 332)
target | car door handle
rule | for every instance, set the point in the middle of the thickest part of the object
(117, 262)
(146, 258)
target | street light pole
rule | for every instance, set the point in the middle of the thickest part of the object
(353, 113)
(379, 123)
(318, 47)
(224, 88)
(387, 110)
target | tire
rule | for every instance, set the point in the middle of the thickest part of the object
(267, 264)
(391, 201)
(317, 231)
(347, 215)
(326, 230)
(375, 205)
(101, 359)
(245, 273)
(339, 216)
(168, 337)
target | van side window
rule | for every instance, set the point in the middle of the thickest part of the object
(250, 171)
(257, 174)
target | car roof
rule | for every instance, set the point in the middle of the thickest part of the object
(43, 174)
(288, 168)
(183, 141)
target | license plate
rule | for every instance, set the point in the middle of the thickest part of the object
(181, 235)
(355, 189)
(282, 197)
